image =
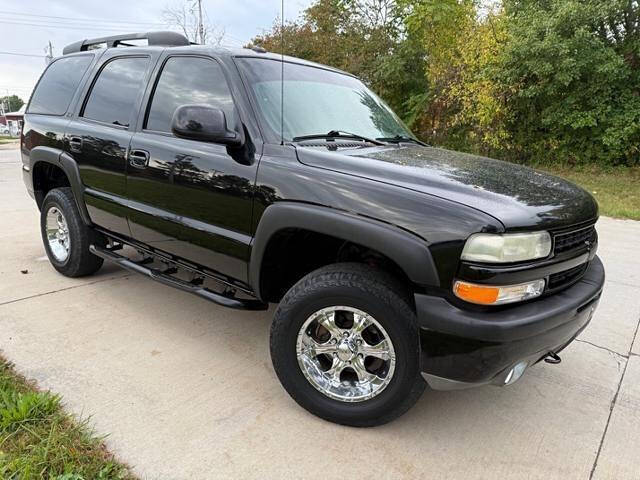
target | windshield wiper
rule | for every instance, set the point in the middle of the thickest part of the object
(337, 134)
(400, 139)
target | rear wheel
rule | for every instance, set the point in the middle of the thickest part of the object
(66, 238)
(344, 344)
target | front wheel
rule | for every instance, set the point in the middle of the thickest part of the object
(345, 346)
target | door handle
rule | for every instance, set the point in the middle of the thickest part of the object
(139, 158)
(75, 144)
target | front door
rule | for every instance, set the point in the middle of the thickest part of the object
(98, 138)
(189, 198)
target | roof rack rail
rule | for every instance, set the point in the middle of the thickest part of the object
(164, 39)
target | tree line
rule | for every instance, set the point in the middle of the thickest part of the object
(532, 81)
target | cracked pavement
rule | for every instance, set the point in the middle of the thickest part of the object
(185, 389)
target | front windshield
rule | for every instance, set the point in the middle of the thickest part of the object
(316, 101)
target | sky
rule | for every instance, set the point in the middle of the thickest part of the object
(26, 26)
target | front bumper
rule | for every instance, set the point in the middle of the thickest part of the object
(465, 348)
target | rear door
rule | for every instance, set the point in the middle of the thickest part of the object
(98, 138)
(189, 198)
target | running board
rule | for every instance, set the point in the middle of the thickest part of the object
(157, 275)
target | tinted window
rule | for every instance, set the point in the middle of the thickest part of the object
(186, 80)
(58, 84)
(114, 94)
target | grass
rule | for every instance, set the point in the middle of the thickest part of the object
(4, 140)
(38, 440)
(617, 189)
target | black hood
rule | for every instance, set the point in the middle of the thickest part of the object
(520, 197)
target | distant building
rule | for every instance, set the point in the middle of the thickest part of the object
(13, 120)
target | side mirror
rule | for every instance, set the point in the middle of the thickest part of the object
(204, 123)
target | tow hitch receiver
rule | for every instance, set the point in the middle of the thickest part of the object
(552, 358)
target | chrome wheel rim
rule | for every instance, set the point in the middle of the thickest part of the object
(58, 234)
(345, 354)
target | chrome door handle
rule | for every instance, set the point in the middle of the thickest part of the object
(75, 144)
(139, 158)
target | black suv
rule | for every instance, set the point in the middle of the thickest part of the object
(248, 178)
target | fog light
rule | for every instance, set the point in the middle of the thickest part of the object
(515, 373)
(497, 295)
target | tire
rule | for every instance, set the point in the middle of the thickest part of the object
(78, 261)
(363, 289)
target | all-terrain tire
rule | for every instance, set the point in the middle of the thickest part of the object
(80, 261)
(373, 292)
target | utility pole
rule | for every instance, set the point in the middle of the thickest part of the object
(200, 26)
(49, 53)
(8, 102)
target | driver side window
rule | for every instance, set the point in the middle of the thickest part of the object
(188, 80)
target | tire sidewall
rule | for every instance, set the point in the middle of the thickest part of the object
(400, 327)
(80, 261)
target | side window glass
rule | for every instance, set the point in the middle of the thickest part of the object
(188, 80)
(58, 85)
(114, 93)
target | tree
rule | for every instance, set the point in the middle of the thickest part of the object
(524, 80)
(11, 103)
(571, 70)
(185, 16)
(364, 37)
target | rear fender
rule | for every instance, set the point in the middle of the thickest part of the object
(69, 166)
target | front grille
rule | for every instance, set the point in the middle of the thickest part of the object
(565, 242)
(566, 278)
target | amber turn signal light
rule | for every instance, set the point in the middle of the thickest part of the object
(476, 293)
(497, 295)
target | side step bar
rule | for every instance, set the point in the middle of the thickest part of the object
(166, 279)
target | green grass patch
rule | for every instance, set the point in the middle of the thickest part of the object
(38, 440)
(617, 189)
(4, 140)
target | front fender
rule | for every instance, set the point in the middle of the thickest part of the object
(408, 251)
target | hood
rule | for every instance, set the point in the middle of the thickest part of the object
(520, 197)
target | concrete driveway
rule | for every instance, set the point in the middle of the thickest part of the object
(185, 388)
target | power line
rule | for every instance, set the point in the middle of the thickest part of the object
(21, 54)
(106, 24)
(81, 18)
(76, 24)
(68, 27)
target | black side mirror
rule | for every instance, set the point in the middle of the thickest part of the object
(204, 123)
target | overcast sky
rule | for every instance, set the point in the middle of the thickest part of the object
(27, 25)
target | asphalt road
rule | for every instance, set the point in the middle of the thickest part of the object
(185, 389)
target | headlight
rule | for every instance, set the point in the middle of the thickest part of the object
(497, 295)
(511, 247)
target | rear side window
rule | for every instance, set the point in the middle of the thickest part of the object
(188, 80)
(114, 93)
(58, 84)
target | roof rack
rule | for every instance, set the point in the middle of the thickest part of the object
(164, 39)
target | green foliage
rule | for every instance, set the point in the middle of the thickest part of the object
(38, 440)
(18, 409)
(365, 37)
(525, 80)
(573, 73)
(12, 103)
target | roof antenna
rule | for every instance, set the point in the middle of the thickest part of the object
(282, 72)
